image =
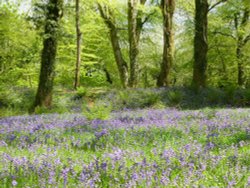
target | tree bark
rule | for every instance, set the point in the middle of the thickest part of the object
(167, 7)
(241, 42)
(200, 44)
(122, 66)
(78, 46)
(108, 77)
(133, 42)
(239, 56)
(135, 24)
(48, 57)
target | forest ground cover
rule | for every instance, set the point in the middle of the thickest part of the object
(17, 100)
(168, 147)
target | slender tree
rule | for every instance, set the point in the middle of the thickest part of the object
(167, 8)
(48, 57)
(107, 15)
(78, 46)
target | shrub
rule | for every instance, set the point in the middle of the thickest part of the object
(81, 92)
(213, 96)
(97, 111)
(229, 94)
(246, 98)
(174, 97)
(139, 98)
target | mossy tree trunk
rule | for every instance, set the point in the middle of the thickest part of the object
(167, 7)
(135, 25)
(48, 57)
(200, 43)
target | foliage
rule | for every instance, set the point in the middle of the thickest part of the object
(100, 111)
(134, 98)
(81, 92)
(16, 98)
(175, 97)
(20, 49)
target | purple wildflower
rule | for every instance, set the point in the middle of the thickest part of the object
(102, 133)
(14, 182)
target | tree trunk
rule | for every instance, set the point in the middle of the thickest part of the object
(78, 44)
(200, 44)
(241, 42)
(133, 41)
(167, 7)
(48, 57)
(120, 62)
(108, 77)
(239, 56)
(135, 24)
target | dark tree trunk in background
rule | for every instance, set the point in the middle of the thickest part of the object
(108, 77)
(78, 45)
(167, 7)
(48, 57)
(122, 66)
(200, 44)
(135, 24)
(239, 56)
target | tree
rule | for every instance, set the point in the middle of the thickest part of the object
(48, 57)
(78, 46)
(136, 18)
(202, 9)
(107, 15)
(135, 25)
(231, 36)
(241, 40)
(167, 7)
(200, 43)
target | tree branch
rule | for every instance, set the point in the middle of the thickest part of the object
(224, 34)
(246, 39)
(106, 15)
(215, 5)
(148, 17)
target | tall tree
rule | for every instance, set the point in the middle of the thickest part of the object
(200, 43)
(242, 40)
(48, 57)
(202, 9)
(78, 45)
(107, 15)
(167, 8)
(135, 25)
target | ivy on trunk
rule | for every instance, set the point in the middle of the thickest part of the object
(48, 57)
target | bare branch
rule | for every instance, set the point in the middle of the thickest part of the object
(215, 5)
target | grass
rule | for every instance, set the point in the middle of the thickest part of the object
(134, 148)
